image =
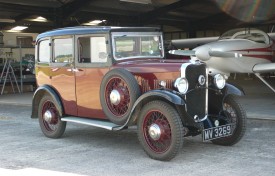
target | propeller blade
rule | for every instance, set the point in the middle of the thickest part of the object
(223, 54)
(182, 52)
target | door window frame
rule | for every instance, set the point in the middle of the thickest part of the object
(92, 64)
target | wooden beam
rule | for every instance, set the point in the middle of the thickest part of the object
(26, 9)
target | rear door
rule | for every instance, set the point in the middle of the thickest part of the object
(62, 72)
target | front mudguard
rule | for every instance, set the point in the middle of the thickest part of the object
(216, 97)
(158, 94)
(233, 90)
(39, 93)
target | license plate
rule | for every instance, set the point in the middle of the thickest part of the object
(217, 132)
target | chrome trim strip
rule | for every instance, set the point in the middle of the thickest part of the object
(183, 69)
(206, 94)
(183, 74)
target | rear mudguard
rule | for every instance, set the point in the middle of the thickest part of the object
(159, 94)
(39, 93)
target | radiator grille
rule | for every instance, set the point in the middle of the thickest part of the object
(146, 86)
(196, 98)
(169, 84)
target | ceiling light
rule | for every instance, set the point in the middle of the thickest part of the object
(39, 19)
(94, 22)
(19, 28)
(138, 1)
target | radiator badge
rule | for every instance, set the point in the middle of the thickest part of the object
(201, 80)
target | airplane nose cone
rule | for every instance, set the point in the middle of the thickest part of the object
(202, 53)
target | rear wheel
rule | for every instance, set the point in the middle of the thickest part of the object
(235, 114)
(160, 130)
(49, 118)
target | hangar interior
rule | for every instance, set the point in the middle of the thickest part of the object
(22, 21)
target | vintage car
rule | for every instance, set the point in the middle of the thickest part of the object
(116, 77)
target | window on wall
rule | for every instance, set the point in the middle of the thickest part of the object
(44, 51)
(24, 41)
(92, 50)
(63, 50)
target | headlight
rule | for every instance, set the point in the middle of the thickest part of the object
(182, 85)
(219, 81)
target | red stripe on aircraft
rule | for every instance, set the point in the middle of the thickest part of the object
(269, 49)
(267, 57)
(266, 50)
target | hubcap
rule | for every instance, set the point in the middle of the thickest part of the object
(115, 97)
(48, 116)
(154, 132)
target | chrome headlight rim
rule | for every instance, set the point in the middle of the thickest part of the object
(182, 85)
(219, 81)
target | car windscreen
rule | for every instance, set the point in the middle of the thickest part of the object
(136, 45)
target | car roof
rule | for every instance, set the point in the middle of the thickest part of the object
(78, 30)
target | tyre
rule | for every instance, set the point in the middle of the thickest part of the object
(49, 118)
(160, 130)
(118, 92)
(235, 114)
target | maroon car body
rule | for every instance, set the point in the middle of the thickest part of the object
(115, 77)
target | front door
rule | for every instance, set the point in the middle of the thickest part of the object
(92, 64)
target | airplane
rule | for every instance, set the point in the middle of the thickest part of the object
(239, 50)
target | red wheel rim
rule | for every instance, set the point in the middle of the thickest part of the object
(51, 124)
(164, 140)
(122, 89)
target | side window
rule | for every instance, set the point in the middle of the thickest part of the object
(44, 51)
(92, 50)
(63, 50)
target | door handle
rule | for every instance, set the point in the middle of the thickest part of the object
(74, 70)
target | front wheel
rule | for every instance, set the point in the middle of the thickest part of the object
(236, 115)
(49, 118)
(160, 130)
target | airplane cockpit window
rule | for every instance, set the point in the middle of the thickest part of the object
(250, 34)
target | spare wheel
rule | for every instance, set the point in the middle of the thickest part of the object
(118, 92)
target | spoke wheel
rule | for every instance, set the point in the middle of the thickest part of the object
(160, 130)
(49, 118)
(118, 92)
(235, 114)
(117, 96)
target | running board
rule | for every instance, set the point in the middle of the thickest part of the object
(92, 122)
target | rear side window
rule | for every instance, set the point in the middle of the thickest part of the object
(44, 51)
(92, 50)
(63, 50)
